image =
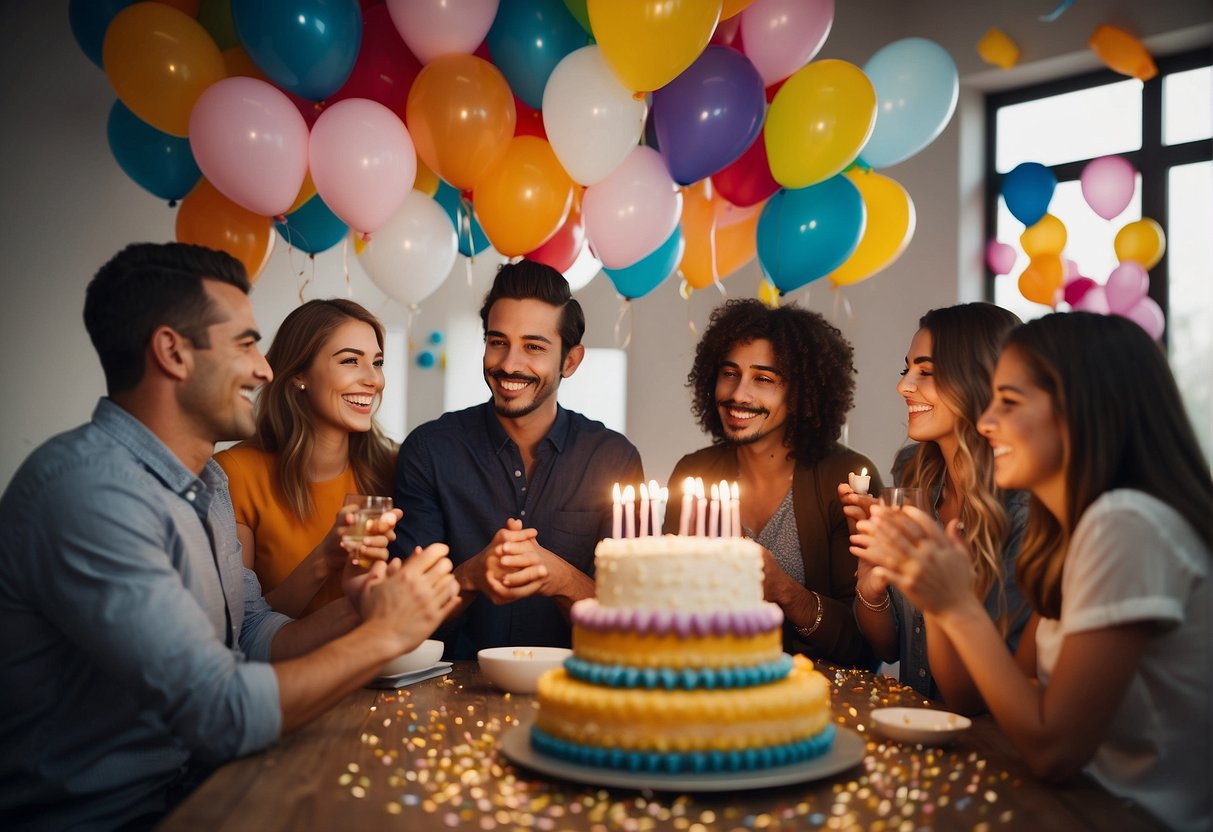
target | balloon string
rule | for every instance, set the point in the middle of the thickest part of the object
(467, 265)
(408, 320)
(694, 330)
(625, 309)
(841, 300)
(463, 215)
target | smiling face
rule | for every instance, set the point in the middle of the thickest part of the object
(929, 417)
(1025, 433)
(522, 363)
(751, 395)
(344, 378)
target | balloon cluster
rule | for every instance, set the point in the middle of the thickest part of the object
(666, 135)
(1108, 184)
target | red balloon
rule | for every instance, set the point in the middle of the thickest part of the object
(748, 180)
(564, 247)
(774, 88)
(728, 33)
(530, 122)
(385, 69)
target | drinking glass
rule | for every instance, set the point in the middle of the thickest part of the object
(899, 497)
(369, 508)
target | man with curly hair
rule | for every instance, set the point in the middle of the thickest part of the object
(773, 388)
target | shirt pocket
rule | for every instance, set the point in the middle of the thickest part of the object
(573, 535)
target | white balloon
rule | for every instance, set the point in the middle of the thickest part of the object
(633, 211)
(592, 121)
(584, 269)
(410, 256)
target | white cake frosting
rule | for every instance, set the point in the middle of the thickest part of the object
(679, 574)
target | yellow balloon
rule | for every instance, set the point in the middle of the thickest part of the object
(1042, 278)
(426, 180)
(1142, 242)
(819, 121)
(523, 199)
(648, 43)
(159, 61)
(1048, 236)
(998, 49)
(891, 221)
(306, 191)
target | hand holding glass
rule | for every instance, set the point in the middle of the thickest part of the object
(368, 510)
(900, 497)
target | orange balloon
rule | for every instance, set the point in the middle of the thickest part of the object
(239, 65)
(190, 7)
(1042, 278)
(524, 198)
(1122, 52)
(208, 218)
(733, 7)
(720, 237)
(461, 116)
(159, 61)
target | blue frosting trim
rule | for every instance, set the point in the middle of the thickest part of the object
(649, 678)
(680, 762)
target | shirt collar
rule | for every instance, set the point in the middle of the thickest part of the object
(147, 448)
(557, 435)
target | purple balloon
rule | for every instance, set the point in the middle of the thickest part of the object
(1108, 184)
(1127, 284)
(708, 116)
(1147, 315)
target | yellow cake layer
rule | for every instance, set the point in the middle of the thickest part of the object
(674, 651)
(795, 708)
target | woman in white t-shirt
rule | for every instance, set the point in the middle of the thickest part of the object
(1113, 673)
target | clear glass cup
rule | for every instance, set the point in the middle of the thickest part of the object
(369, 509)
(899, 497)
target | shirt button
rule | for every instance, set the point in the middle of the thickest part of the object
(524, 512)
(191, 496)
(922, 672)
(524, 489)
(517, 473)
(917, 630)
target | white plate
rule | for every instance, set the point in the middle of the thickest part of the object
(919, 724)
(846, 752)
(413, 676)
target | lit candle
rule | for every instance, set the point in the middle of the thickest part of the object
(701, 509)
(659, 510)
(616, 514)
(655, 507)
(629, 510)
(714, 511)
(684, 519)
(726, 511)
(735, 502)
(859, 482)
(644, 510)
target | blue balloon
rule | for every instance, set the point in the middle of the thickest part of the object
(806, 233)
(306, 47)
(645, 275)
(528, 38)
(426, 360)
(472, 239)
(707, 116)
(312, 227)
(916, 91)
(89, 19)
(158, 162)
(1028, 189)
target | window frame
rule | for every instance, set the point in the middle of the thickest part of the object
(1153, 160)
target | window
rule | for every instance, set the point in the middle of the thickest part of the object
(1164, 128)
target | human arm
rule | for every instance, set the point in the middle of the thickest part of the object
(519, 568)
(873, 606)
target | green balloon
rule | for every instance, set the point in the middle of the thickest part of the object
(216, 17)
(579, 11)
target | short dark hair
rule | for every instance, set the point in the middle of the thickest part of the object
(811, 354)
(147, 285)
(531, 280)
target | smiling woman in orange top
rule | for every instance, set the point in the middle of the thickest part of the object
(316, 442)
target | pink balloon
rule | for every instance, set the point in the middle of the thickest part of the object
(251, 143)
(1075, 290)
(781, 36)
(1108, 184)
(1127, 284)
(633, 211)
(1147, 315)
(1000, 257)
(1093, 300)
(439, 27)
(363, 162)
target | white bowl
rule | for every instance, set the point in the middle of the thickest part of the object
(921, 725)
(419, 658)
(517, 669)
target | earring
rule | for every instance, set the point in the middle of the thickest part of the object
(302, 386)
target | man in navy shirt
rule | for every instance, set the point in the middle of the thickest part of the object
(518, 487)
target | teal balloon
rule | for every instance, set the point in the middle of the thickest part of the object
(89, 19)
(916, 91)
(306, 47)
(1028, 190)
(158, 162)
(312, 227)
(645, 275)
(426, 360)
(528, 38)
(472, 239)
(806, 233)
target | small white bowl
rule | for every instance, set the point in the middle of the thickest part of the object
(921, 725)
(517, 669)
(419, 658)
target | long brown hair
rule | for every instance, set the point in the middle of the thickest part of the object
(285, 420)
(1114, 395)
(965, 341)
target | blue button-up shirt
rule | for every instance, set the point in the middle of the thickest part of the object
(460, 477)
(127, 625)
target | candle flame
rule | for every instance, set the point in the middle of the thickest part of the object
(629, 494)
(615, 494)
(715, 491)
(864, 472)
(736, 491)
(699, 493)
(644, 492)
(688, 485)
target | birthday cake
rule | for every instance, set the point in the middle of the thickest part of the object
(678, 666)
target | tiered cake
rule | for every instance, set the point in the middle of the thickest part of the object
(678, 666)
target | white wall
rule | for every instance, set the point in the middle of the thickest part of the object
(67, 207)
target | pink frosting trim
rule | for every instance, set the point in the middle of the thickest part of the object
(589, 614)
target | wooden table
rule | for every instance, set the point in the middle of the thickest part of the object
(426, 757)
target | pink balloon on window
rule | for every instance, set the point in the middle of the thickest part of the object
(1108, 184)
(1000, 257)
(1148, 315)
(1126, 286)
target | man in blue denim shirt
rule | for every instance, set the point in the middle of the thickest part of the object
(134, 645)
(518, 487)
